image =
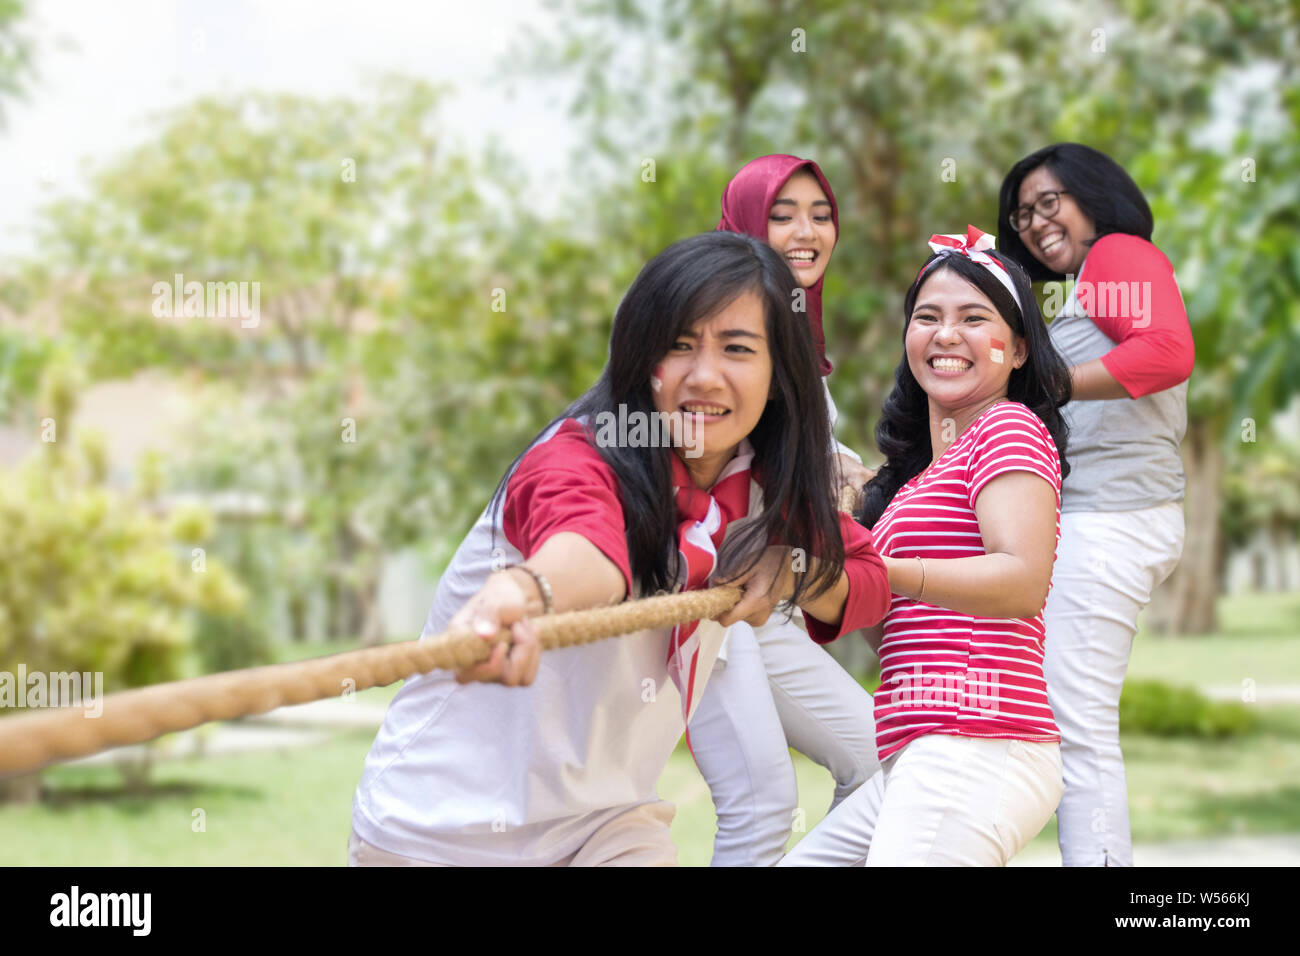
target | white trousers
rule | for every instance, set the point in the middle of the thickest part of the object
(942, 800)
(777, 689)
(1107, 566)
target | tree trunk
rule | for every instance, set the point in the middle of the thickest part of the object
(346, 609)
(333, 606)
(23, 789)
(354, 614)
(297, 609)
(136, 769)
(349, 613)
(1187, 602)
(372, 627)
(1278, 578)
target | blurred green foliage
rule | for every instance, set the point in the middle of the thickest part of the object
(1165, 710)
(422, 317)
(379, 395)
(94, 580)
(226, 642)
(1198, 100)
(17, 53)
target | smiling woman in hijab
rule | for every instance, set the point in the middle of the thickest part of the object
(774, 688)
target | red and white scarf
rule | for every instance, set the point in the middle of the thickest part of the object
(703, 517)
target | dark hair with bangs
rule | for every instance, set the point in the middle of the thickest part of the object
(1100, 186)
(691, 280)
(1042, 383)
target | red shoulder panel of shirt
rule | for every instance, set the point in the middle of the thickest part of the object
(562, 484)
(1128, 289)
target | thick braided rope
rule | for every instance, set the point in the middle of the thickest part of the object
(31, 741)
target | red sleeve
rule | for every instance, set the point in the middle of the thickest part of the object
(563, 484)
(1012, 438)
(868, 600)
(1127, 287)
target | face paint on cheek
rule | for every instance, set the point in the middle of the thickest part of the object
(657, 378)
(997, 350)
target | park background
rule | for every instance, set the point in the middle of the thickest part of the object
(440, 206)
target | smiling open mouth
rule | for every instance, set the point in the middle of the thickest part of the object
(700, 409)
(1051, 243)
(949, 364)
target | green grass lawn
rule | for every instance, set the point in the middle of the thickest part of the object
(1258, 639)
(293, 806)
(270, 808)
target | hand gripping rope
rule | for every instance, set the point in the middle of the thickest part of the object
(30, 741)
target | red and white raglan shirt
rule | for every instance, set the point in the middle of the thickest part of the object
(483, 774)
(1126, 310)
(943, 672)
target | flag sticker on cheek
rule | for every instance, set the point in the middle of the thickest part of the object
(656, 378)
(997, 350)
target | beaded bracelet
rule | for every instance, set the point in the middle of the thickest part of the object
(543, 586)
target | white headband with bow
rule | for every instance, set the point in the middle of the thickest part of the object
(973, 246)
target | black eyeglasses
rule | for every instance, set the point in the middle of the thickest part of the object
(1046, 206)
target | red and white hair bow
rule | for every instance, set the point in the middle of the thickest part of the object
(973, 246)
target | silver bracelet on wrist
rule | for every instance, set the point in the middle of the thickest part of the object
(543, 586)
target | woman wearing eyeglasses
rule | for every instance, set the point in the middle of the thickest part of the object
(1071, 212)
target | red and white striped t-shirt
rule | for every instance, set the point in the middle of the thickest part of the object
(943, 672)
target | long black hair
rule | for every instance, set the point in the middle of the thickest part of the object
(1042, 383)
(691, 280)
(1100, 186)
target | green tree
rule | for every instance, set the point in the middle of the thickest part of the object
(412, 333)
(917, 110)
(1233, 247)
(1262, 499)
(323, 207)
(17, 54)
(91, 579)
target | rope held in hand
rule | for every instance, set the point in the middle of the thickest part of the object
(30, 741)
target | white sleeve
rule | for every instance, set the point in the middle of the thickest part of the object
(833, 414)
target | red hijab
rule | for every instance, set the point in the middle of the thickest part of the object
(746, 204)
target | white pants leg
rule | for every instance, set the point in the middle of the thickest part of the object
(942, 800)
(740, 748)
(827, 715)
(777, 690)
(1107, 566)
(844, 836)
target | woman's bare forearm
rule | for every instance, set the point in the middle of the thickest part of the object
(1092, 382)
(987, 585)
(829, 607)
(579, 573)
